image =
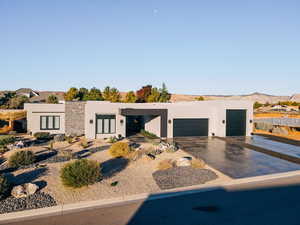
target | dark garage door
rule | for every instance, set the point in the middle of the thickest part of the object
(235, 122)
(190, 127)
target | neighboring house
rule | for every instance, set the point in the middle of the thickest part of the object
(26, 92)
(101, 119)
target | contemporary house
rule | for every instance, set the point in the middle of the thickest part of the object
(101, 119)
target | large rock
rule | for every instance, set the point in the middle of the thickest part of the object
(184, 161)
(18, 192)
(22, 191)
(31, 188)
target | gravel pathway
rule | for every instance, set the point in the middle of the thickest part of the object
(182, 177)
(35, 201)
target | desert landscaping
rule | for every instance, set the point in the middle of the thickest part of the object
(141, 165)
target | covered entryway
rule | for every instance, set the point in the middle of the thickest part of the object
(236, 122)
(137, 119)
(190, 127)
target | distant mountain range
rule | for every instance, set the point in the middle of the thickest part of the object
(259, 97)
(41, 96)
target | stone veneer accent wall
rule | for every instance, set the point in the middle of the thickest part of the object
(74, 118)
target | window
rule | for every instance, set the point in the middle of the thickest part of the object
(106, 124)
(50, 122)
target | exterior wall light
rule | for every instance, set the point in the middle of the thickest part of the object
(91, 121)
(170, 121)
(251, 121)
(213, 134)
(121, 121)
(223, 121)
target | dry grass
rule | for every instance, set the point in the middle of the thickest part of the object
(293, 135)
(165, 164)
(275, 115)
(198, 163)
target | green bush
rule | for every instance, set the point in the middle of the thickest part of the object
(112, 139)
(21, 158)
(6, 139)
(42, 136)
(148, 134)
(119, 149)
(80, 173)
(4, 187)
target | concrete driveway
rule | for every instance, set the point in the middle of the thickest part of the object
(234, 160)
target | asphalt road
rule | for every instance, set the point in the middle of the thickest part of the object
(262, 203)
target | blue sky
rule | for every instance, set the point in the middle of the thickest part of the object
(194, 46)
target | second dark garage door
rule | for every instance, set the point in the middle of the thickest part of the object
(190, 127)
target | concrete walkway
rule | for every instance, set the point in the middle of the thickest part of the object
(268, 201)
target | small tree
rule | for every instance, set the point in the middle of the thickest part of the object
(106, 93)
(71, 94)
(130, 97)
(154, 96)
(93, 95)
(143, 93)
(257, 105)
(115, 95)
(200, 98)
(164, 94)
(52, 99)
(82, 93)
(17, 102)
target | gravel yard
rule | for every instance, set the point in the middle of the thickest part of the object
(35, 201)
(121, 177)
(182, 176)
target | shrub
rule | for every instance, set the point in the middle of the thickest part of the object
(84, 143)
(80, 173)
(4, 187)
(148, 134)
(165, 164)
(119, 149)
(198, 163)
(21, 158)
(42, 135)
(69, 139)
(6, 139)
(112, 140)
(3, 149)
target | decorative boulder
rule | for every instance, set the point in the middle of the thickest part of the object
(18, 192)
(184, 161)
(22, 191)
(31, 188)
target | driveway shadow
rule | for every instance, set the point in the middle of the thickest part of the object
(113, 166)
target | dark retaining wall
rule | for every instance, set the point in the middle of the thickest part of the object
(74, 117)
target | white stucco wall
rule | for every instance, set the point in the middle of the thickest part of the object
(35, 110)
(152, 124)
(215, 111)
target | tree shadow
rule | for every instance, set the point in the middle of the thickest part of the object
(113, 166)
(44, 155)
(87, 152)
(29, 177)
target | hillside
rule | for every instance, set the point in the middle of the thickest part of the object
(259, 97)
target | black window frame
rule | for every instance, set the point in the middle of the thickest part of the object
(103, 117)
(47, 123)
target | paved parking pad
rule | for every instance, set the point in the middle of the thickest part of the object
(272, 145)
(233, 159)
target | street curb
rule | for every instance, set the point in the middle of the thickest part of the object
(88, 205)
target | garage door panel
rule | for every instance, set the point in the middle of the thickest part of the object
(190, 127)
(236, 122)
